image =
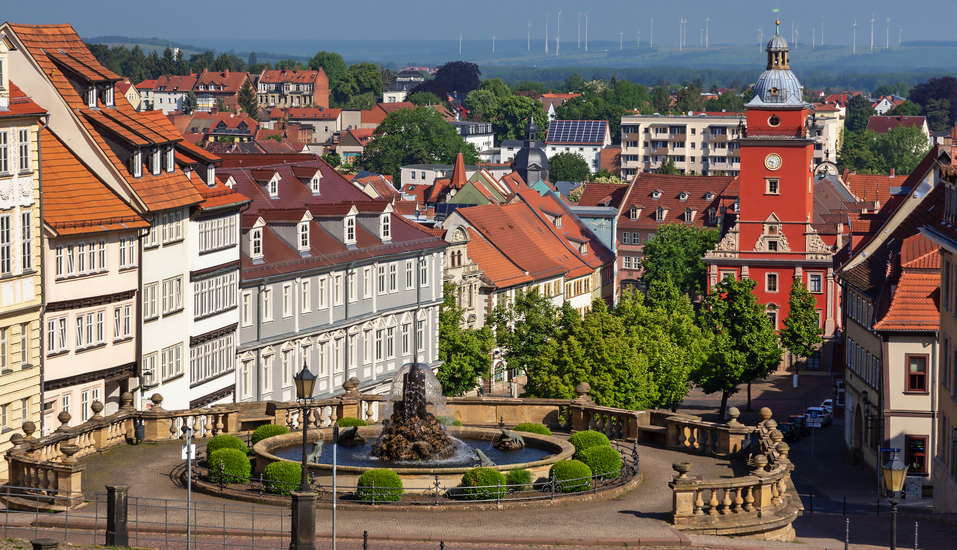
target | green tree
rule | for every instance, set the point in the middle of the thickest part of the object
(856, 153)
(668, 167)
(333, 159)
(496, 86)
(660, 101)
(480, 102)
(676, 253)
(938, 115)
(423, 98)
(253, 60)
(523, 328)
(361, 78)
(744, 347)
(689, 99)
(458, 76)
(568, 167)
(859, 112)
(466, 354)
(907, 108)
(332, 64)
(510, 116)
(901, 148)
(627, 96)
(248, 101)
(414, 136)
(574, 83)
(802, 331)
(189, 103)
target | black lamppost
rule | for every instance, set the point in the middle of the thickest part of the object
(894, 473)
(305, 383)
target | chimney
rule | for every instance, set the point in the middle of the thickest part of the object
(205, 70)
(226, 72)
(430, 213)
(893, 172)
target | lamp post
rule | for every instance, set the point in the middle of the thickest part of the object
(894, 473)
(305, 384)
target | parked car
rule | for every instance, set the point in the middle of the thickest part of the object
(800, 424)
(791, 432)
(822, 414)
(828, 405)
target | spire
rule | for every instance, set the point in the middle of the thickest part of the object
(777, 27)
(459, 178)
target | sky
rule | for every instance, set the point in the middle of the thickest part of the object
(731, 21)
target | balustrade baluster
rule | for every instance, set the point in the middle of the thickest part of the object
(681, 436)
(173, 428)
(726, 502)
(749, 500)
(44, 479)
(370, 415)
(774, 493)
(333, 414)
(322, 417)
(713, 503)
(208, 426)
(782, 490)
(708, 441)
(738, 500)
(219, 423)
(698, 502)
(692, 430)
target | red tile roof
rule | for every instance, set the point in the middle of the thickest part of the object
(175, 83)
(277, 76)
(20, 105)
(916, 301)
(603, 194)
(884, 124)
(75, 201)
(146, 85)
(232, 81)
(641, 193)
(872, 187)
(333, 187)
(311, 113)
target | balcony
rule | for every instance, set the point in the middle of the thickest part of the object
(775, 132)
(718, 138)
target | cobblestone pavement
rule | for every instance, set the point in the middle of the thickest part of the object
(641, 514)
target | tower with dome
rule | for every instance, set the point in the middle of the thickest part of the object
(776, 235)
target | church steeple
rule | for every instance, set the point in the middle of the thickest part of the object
(777, 50)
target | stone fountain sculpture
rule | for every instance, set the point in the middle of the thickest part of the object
(412, 433)
(509, 441)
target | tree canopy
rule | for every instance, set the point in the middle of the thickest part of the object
(901, 148)
(248, 100)
(361, 79)
(675, 254)
(466, 353)
(414, 136)
(859, 112)
(332, 64)
(802, 331)
(510, 116)
(568, 167)
(457, 76)
(423, 98)
(944, 87)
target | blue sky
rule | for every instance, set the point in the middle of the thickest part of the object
(733, 21)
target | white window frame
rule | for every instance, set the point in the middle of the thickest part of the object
(267, 304)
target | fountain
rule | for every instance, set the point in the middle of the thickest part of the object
(412, 433)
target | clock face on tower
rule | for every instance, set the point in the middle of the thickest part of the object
(772, 161)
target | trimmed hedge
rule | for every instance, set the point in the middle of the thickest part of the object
(282, 477)
(573, 476)
(225, 441)
(381, 483)
(448, 421)
(266, 431)
(519, 480)
(605, 462)
(236, 467)
(483, 484)
(350, 421)
(586, 439)
(532, 428)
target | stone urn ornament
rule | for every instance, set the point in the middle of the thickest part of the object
(682, 468)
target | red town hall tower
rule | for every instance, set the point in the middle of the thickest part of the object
(775, 238)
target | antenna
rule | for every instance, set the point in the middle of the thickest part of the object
(872, 32)
(558, 33)
(706, 19)
(855, 37)
(887, 45)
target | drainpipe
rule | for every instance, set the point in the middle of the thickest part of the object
(259, 322)
(43, 298)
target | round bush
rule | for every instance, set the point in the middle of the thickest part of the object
(586, 439)
(605, 462)
(225, 441)
(265, 431)
(519, 480)
(379, 485)
(282, 477)
(350, 421)
(573, 476)
(483, 484)
(532, 428)
(235, 466)
(448, 421)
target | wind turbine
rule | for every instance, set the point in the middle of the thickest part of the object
(651, 43)
(639, 39)
(706, 19)
(460, 43)
(792, 28)
(529, 36)
(493, 43)
(558, 33)
(760, 37)
(681, 33)
(855, 37)
(621, 41)
(813, 39)
(872, 32)
(579, 30)
(797, 38)
(586, 32)
(899, 32)
(546, 33)
(822, 31)
(888, 37)
(701, 38)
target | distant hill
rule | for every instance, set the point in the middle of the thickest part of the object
(114, 39)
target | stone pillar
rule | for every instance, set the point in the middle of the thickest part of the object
(303, 521)
(155, 423)
(117, 531)
(683, 492)
(45, 544)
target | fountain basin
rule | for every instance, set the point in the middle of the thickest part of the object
(413, 476)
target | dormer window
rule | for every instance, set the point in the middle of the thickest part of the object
(583, 248)
(273, 188)
(170, 156)
(91, 98)
(712, 216)
(709, 196)
(155, 162)
(683, 196)
(558, 221)
(634, 213)
(385, 225)
(656, 194)
(108, 95)
(211, 175)
(689, 215)
(350, 226)
(660, 214)
(136, 164)
(737, 206)
(303, 236)
(314, 184)
(256, 243)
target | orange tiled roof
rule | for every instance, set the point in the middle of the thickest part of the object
(20, 104)
(74, 200)
(232, 81)
(872, 187)
(314, 113)
(279, 75)
(915, 305)
(175, 83)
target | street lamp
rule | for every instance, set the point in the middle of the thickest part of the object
(305, 384)
(894, 473)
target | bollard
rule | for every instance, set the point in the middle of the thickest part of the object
(45, 544)
(915, 535)
(442, 545)
(117, 514)
(847, 533)
(303, 521)
(365, 540)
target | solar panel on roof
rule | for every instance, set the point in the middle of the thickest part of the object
(576, 131)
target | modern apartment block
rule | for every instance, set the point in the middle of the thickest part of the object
(20, 258)
(702, 143)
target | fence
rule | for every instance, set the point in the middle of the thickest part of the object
(150, 523)
(437, 493)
